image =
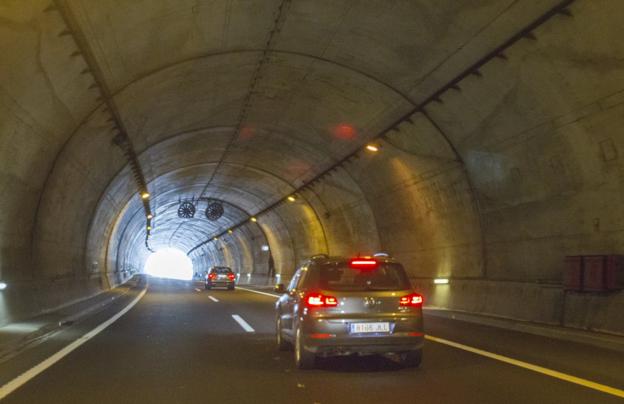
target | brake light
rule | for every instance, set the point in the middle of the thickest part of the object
(413, 300)
(320, 300)
(231, 276)
(363, 263)
(213, 275)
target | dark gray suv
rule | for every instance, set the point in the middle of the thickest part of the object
(342, 306)
(220, 276)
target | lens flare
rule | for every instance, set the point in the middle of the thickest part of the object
(345, 131)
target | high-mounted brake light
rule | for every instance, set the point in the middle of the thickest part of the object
(320, 300)
(363, 263)
(413, 300)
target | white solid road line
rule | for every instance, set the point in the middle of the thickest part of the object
(36, 370)
(242, 323)
(214, 299)
(510, 361)
(257, 291)
(535, 368)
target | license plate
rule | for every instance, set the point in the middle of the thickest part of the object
(221, 277)
(360, 328)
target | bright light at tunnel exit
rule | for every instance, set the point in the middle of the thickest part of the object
(169, 263)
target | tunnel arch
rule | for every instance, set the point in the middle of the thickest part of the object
(533, 175)
(129, 90)
(176, 191)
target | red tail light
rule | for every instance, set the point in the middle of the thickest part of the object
(231, 276)
(413, 300)
(213, 275)
(320, 300)
(363, 263)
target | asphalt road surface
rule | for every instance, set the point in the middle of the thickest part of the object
(183, 344)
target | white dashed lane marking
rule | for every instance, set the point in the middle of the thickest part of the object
(242, 323)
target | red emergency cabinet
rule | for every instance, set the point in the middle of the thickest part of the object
(573, 273)
(614, 272)
(594, 273)
(594, 279)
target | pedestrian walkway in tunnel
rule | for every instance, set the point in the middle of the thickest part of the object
(469, 153)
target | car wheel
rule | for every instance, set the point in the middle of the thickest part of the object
(207, 287)
(303, 358)
(282, 344)
(230, 287)
(411, 359)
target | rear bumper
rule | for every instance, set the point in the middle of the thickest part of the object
(364, 345)
(332, 337)
(221, 283)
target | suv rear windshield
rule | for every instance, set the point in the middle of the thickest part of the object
(340, 276)
(221, 270)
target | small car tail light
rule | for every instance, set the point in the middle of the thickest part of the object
(413, 300)
(320, 300)
(212, 275)
(231, 276)
(363, 263)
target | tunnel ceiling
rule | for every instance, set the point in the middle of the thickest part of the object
(499, 123)
(244, 101)
(238, 101)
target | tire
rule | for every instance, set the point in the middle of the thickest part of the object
(282, 345)
(230, 287)
(303, 358)
(411, 359)
(207, 287)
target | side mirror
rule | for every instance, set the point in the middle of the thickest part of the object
(280, 288)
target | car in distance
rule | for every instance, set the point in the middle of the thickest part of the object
(220, 277)
(341, 306)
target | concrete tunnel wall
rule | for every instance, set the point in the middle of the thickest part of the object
(491, 186)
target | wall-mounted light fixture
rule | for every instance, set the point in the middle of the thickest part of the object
(253, 219)
(291, 198)
(150, 216)
(3, 285)
(265, 248)
(372, 148)
(145, 195)
(441, 281)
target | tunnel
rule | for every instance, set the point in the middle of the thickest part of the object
(476, 142)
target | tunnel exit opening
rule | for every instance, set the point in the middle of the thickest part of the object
(169, 263)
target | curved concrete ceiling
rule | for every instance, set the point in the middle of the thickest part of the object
(497, 122)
